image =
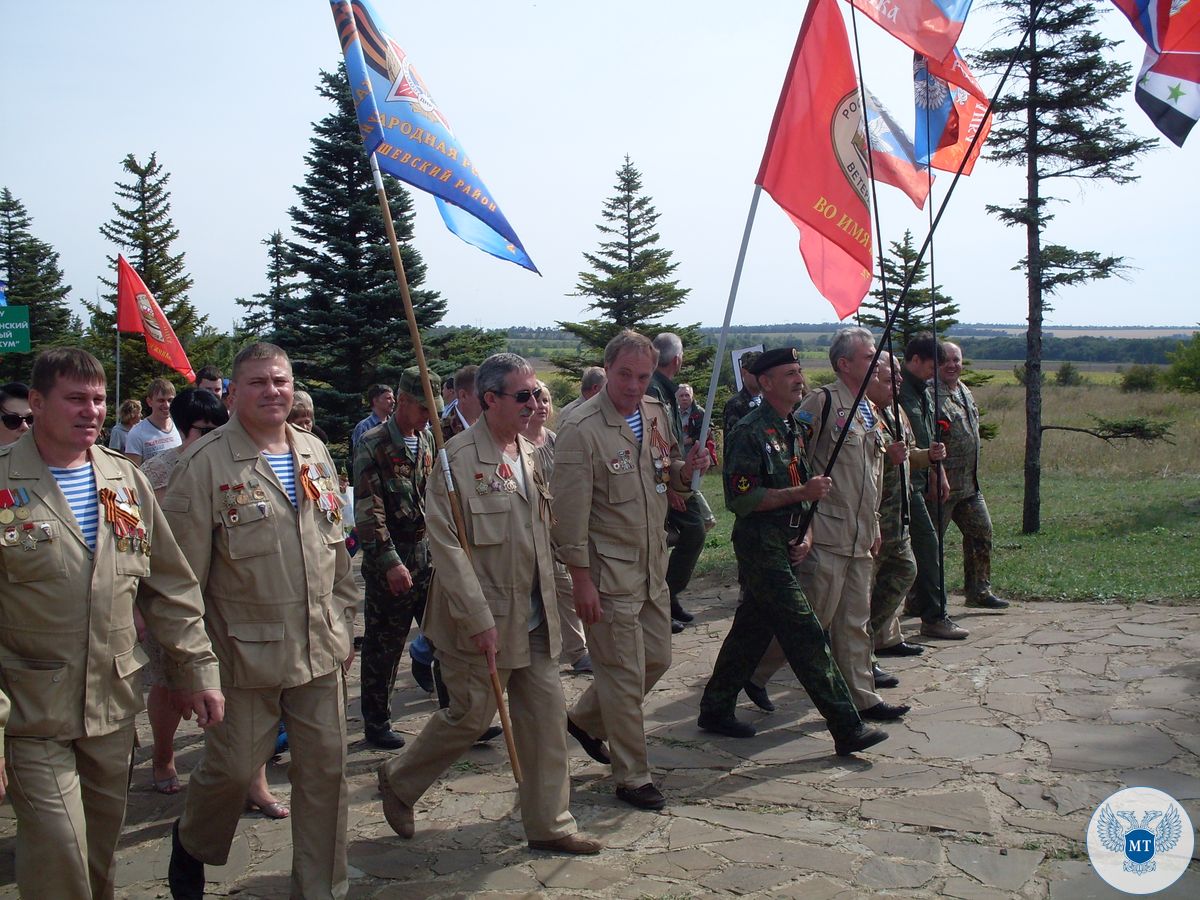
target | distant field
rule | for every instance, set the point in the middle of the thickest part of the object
(1072, 331)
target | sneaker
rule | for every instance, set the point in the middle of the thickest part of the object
(583, 665)
(645, 797)
(987, 601)
(944, 629)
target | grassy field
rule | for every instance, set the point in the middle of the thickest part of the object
(1119, 522)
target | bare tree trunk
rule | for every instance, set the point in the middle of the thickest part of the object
(1031, 517)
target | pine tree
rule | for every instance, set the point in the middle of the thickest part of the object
(630, 282)
(144, 233)
(1058, 121)
(344, 327)
(262, 309)
(34, 280)
(916, 315)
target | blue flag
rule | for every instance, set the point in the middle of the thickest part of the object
(411, 139)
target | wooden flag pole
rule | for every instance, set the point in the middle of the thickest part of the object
(438, 439)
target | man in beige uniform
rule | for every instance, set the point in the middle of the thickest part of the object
(70, 680)
(836, 574)
(614, 460)
(279, 604)
(488, 600)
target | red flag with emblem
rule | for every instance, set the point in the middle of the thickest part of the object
(138, 311)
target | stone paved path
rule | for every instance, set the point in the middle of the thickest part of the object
(984, 791)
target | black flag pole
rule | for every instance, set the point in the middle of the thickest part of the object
(806, 517)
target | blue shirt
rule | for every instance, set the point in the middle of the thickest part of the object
(284, 468)
(363, 427)
(635, 423)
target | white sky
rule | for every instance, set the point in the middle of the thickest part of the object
(547, 97)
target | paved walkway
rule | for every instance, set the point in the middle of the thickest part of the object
(984, 791)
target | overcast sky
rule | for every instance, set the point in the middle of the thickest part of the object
(547, 98)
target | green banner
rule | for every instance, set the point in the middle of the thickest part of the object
(14, 329)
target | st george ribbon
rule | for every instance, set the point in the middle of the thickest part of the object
(410, 137)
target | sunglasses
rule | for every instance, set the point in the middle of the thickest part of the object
(12, 421)
(523, 396)
(204, 429)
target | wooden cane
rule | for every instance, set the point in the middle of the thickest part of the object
(505, 722)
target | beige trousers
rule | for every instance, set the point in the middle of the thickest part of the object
(233, 751)
(574, 645)
(631, 650)
(539, 721)
(69, 798)
(839, 589)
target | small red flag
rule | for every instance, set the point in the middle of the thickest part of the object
(815, 163)
(138, 311)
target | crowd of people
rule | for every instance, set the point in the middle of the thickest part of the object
(204, 557)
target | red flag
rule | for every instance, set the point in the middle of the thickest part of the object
(815, 163)
(138, 311)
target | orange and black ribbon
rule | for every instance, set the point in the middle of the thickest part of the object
(122, 521)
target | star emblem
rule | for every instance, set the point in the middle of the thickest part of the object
(1176, 91)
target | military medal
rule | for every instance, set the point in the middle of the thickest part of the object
(10, 536)
(28, 541)
(481, 486)
(308, 480)
(507, 484)
(6, 515)
(120, 511)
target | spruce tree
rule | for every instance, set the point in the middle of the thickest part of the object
(35, 280)
(344, 327)
(916, 315)
(1058, 120)
(143, 231)
(262, 310)
(630, 282)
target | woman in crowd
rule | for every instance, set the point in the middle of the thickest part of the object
(128, 416)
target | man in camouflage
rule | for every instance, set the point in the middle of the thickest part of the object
(746, 399)
(895, 566)
(966, 506)
(928, 597)
(392, 463)
(767, 487)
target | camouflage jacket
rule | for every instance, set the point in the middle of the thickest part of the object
(736, 407)
(389, 493)
(893, 499)
(917, 403)
(958, 428)
(662, 389)
(758, 452)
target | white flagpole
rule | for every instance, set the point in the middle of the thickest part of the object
(720, 360)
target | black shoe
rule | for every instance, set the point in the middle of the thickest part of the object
(726, 725)
(860, 739)
(358, 642)
(883, 712)
(904, 648)
(987, 601)
(383, 737)
(185, 874)
(490, 733)
(645, 797)
(676, 626)
(422, 674)
(592, 746)
(759, 696)
(884, 679)
(679, 614)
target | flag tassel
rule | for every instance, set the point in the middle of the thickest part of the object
(436, 425)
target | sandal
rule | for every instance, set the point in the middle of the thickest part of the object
(274, 810)
(167, 785)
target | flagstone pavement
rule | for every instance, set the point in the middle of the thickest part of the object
(984, 791)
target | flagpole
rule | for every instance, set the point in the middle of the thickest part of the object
(720, 360)
(438, 439)
(117, 328)
(938, 467)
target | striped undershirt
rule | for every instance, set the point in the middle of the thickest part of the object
(635, 423)
(869, 417)
(411, 444)
(78, 485)
(284, 468)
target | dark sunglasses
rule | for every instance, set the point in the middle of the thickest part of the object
(12, 421)
(204, 429)
(523, 396)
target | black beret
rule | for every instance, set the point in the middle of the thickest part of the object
(780, 356)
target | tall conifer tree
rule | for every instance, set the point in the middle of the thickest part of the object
(917, 314)
(629, 283)
(143, 231)
(344, 327)
(1058, 120)
(30, 266)
(262, 310)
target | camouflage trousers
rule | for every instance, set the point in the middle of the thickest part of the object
(970, 513)
(895, 572)
(775, 607)
(388, 618)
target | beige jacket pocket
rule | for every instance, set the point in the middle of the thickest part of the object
(617, 569)
(258, 654)
(38, 692)
(125, 697)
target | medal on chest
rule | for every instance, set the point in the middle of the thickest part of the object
(14, 506)
(508, 483)
(660, 455)
(320, 487)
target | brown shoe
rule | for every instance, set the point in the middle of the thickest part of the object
(575, 844)
(944, 629)
(398, 813)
